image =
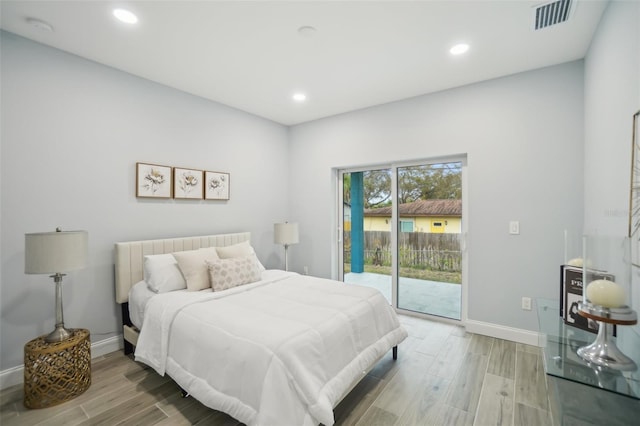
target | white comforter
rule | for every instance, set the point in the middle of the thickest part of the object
(282, 351)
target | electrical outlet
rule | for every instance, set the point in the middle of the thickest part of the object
(526, 303)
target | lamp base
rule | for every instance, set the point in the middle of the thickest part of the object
(60, 334)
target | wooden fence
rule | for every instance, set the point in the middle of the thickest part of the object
(421, 250)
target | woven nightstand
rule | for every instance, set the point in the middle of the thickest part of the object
(56, 372)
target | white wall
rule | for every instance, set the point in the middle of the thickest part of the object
(72, 131)
(612, 96)
(523, 135)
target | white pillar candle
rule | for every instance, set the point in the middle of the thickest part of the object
(577, 262)
(605, 293)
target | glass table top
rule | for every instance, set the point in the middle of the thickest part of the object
(560, 343)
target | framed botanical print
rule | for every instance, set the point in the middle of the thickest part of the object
(187, 184)
(216, 185)
(634, 192)
(153, 181)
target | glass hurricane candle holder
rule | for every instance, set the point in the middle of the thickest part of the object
(605, 297)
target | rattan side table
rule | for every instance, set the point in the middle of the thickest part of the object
(56, 372)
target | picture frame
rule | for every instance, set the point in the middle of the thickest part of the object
(217, 185)
(187, 184)
(153, 181)
(634, 189)
(634, 192)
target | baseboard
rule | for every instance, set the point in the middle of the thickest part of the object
(15, 375)
(107, 346)
(502, 332)
(11, 376)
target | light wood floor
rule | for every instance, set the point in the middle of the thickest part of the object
(443, 376)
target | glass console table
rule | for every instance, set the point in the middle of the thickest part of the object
(560, 342)
(580, 394)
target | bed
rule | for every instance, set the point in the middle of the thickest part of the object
(280, 349)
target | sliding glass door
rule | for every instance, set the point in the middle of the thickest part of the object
(402, 232)
(429, 236)
(366, 249)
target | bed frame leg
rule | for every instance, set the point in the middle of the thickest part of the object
(128, 347)
(395, 353)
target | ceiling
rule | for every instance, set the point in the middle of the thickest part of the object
(252, 56)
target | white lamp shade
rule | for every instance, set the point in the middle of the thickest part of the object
(285, 233)
(55, 252)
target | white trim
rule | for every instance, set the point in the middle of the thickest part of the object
(11, 376)
(15, 375)
(107, 346)
(503, 332)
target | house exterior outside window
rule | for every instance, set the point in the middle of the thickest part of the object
(434, 216)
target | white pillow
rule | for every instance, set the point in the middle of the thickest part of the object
(192, 264)
(238, 250)
(233, 272)
(162, 274)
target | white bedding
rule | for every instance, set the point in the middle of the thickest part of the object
(281, 351)
(139, 295)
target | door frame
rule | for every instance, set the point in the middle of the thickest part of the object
(338, 267)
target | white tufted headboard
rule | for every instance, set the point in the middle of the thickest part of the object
(130, 255)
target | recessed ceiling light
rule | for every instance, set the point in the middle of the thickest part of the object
(299, 97)
(125, 16)
(459, 49)
(41, 25)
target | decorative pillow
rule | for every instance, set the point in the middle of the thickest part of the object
(238, 250)
(162, 274)
(192, 264)
(233, 272)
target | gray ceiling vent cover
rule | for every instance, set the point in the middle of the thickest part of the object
(553, 13)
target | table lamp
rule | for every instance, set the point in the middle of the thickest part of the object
(285, 234)
(55, 253)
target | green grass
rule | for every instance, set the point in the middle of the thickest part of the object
(420, 274)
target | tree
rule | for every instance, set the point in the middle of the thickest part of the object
(377, 188)
(346, 188)
(425, 182)
(430, 182)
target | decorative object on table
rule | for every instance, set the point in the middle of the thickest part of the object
(572, 294)
(55, 253)
(56, 372)
(603, 351)
(216, 185)
(604, 300)
(570, 270)
(285, 234)
(153, 181)
(187, 184)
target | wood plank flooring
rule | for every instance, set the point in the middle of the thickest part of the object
(443, 376)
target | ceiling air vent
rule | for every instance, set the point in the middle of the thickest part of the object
(553, 13)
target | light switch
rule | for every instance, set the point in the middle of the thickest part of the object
(514, 227)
